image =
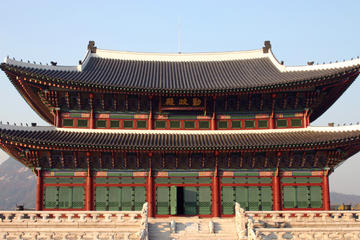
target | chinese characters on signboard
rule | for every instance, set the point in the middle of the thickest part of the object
(182, 102)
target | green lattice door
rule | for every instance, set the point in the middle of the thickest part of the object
(162, 200)
(228, 199)
(190, 201)
(204, 200)
(173, 200)
(316, 197)
(78, 197)
(127, 196)
(139, 198)
(64, 197)
(101, 198)
(289, 197)
(114, 198)
(51, 197)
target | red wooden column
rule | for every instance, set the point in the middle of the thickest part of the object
(91, 102)
(150, 190)
(276, 191)
(213, 118)
(272, 123)
(306, 118)
(325, 187)
(57, 117)
(215, 190)
(39, 191)
(150, 119)
(89, 187)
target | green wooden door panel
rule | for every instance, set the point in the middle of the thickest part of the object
(289, 197)
(204, 200)
(115, 198)
(127, 196)
(65, 197)
(78, 197)
(316, 197)
(227, 180)
(265, 180)
(190, 200)
(140, 198)
(227, 200)
(191, 180)
(101, 198)
(253, 180)
(287, 180)
(254, 198)
(173, 200)
(51, 197)
(266, 198)
(302, 196)
(240, 180)
(315, 180)
(241, 196)
(162, 200)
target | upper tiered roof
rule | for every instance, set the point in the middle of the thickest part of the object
(201, 73)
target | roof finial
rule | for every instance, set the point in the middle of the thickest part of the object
(267, 46)
(91, 47)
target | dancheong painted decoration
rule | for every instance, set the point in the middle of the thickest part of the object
(191, 134)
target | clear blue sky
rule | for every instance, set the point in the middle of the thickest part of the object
(299, 31)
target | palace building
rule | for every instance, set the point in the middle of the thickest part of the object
(191, 134)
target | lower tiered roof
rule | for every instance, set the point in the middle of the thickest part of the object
(157, 140)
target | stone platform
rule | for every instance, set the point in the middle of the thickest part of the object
(121, 225)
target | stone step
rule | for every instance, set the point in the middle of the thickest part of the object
(192, 228)
(203, 236)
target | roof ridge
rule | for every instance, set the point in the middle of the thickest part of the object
(179, 57)
(348, 128)
(217, 132)
(18, 63)
(28, 128)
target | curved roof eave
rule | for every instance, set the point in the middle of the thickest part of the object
(214, 73)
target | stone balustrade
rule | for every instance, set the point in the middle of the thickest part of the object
(309, 233)
(68, 216)
(300, 224)
(308, 216)
(74, 225)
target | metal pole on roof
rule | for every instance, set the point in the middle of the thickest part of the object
(179, 35)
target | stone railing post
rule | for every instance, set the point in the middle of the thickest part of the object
(251, 231)
(240, 220)
(143, 234)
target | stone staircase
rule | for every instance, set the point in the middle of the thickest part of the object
(192, 228)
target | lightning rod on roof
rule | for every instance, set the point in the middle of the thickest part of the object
(179, 35)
